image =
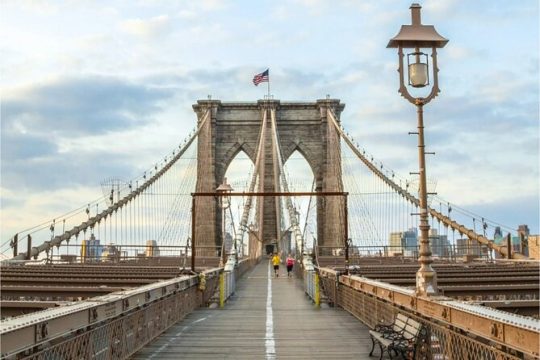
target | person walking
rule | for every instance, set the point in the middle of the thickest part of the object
(275, 261)
(290, 264)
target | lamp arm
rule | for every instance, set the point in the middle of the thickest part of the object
(402, 88)
(435, 89)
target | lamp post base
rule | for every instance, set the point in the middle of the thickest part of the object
(426, 282)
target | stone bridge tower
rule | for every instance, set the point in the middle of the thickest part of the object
(301, 126)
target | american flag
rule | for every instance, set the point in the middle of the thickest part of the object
(262, 77)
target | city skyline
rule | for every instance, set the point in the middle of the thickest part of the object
(81, 83)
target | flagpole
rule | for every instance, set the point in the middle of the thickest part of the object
(268, 83)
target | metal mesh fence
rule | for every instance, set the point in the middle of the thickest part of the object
(123, 337)
(440, 341)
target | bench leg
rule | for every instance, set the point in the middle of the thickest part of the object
(382, 351)
(372, 346)
(399, 354)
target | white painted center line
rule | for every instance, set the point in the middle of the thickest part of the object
(270, 343)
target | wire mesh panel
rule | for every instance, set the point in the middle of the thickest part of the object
(329, 288)
(120, 338)
(439, 341)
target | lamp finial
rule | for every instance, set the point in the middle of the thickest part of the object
(415, 14)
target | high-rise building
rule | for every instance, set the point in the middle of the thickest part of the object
(91, 249)
(152, 249)
(439, 243)
(519, 243)
(403, 242)
(394, 246)
(523, 229)
(410, 242)
(498, 233)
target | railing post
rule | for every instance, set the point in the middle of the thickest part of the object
(222, 289)
(509, 245)
(346, 224)
(29, 248)
(15, 244)
(317, 290)
(192, 233)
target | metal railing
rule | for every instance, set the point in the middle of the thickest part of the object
(455, 330)
(227, 286)
(312, 286)
(113, 253)
(112, 326)
(360, 254)
(122, 338)
(129, 254)
(227, 279)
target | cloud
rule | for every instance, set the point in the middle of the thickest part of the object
(146, 27)
(39, 124)
(441, 7)
(67, 170)
(505, 210)
(36, 6)
(75, 106)
(460, 53)
(187, 14)
(25, 146)
(212, 5)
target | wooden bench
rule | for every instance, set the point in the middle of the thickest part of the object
(397, 339)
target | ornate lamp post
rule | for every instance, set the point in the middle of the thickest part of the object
(224, 203)
(417, 36)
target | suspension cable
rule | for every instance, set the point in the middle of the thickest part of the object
(57, 240)
(413, 200)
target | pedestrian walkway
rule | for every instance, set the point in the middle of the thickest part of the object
(267, 318)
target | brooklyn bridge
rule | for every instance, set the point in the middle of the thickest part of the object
(162, 267)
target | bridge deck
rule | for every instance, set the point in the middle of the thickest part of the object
(251, 319)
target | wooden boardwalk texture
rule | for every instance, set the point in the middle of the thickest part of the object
(267, 318)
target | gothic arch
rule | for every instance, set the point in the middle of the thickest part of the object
(313, 162)
(235, 127)
(233, 151)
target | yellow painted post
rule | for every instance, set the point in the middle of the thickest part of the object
(222, 289)
(317, 292)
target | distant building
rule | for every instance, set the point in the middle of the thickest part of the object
(403, 242)
(468, 247)
(498, 233)
(394, 245)
(439, 243)
(410, 242)
(110, 253)
(152, 249)
(523, 229)
(519, 242)
(91, 249)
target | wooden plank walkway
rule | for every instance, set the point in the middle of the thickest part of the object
(267, 318)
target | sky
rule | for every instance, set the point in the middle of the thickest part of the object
(100, 89)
